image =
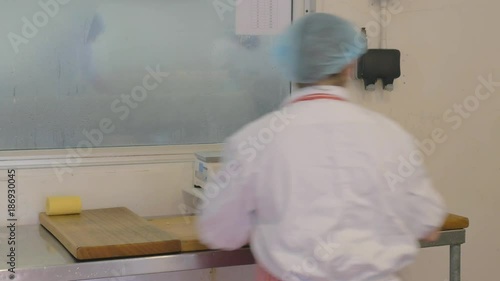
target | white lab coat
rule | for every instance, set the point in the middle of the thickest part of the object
(322, 190)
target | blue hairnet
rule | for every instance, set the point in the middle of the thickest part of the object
(316, 46)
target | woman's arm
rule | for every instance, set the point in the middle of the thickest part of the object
(225, 221)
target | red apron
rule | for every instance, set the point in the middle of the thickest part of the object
(318, 97)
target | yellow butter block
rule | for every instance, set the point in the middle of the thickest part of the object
(63, 205)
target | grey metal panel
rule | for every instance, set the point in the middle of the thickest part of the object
(451, 237)
(455, 262)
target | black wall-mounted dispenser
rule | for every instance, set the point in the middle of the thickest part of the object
(384, 64)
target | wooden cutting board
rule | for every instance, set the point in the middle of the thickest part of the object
(109, 233)
(182, 228)
(454, 222)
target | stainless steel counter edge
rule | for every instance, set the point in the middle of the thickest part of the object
(134, 266)
(447, 238)
(41, 257)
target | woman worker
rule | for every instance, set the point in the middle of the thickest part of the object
(317, 187)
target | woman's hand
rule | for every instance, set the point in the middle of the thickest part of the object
(433, 237)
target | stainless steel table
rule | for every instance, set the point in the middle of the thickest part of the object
(454, 239)
(40, 257)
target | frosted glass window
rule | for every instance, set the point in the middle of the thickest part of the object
(85, 70)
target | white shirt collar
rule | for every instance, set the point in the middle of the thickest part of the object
(320, 89)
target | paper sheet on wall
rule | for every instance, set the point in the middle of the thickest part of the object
(262, 17)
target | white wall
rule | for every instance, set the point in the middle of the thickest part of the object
(446, 45)
(147, 181)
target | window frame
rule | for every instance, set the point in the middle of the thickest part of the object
(106, 156)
